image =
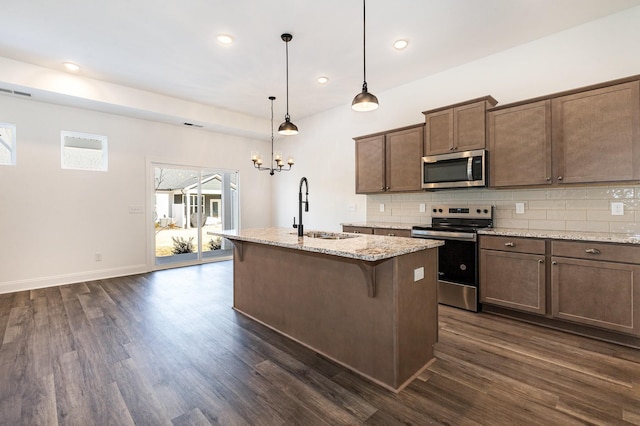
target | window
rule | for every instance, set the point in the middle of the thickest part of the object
(83, 151)
(8, 144)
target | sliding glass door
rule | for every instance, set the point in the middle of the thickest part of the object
(190, 203)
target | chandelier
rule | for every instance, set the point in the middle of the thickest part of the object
(277, 160)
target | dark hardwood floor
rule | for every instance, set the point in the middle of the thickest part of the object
(166, 348)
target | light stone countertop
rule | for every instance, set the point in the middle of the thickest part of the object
(370, 248)
(564, 235)
(385, 225)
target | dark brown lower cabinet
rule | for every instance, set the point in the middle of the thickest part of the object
(599, 293)
(512, 273)
(584, 285)
(391, 232)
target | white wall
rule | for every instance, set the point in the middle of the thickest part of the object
(592, 53)
(52, 221)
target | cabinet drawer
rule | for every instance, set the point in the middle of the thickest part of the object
(513, 244)
(392, 232)
(357, 229)
(596, 251)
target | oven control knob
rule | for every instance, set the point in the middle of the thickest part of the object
(435, 210)
(477, 210)
(439, 210)
(486, 211)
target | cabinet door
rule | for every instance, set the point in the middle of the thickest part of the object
(404, 160)
(596, 135)
(596, 293)
(392, 232)
(357, 229)
(469, 131)
(513, 280)
(370, 165)
(439, 132)
(520, 145)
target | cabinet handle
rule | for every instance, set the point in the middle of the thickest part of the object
(554, 263)
(510, 244)
(592, 251)
(356, 232)
(391, 235)
(548, 178)
(559, 177)
(540, 261)
(387, 188)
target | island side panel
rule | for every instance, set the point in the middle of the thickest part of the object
(417, 312)
(322, 302)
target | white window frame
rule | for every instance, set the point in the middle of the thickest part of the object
(12, 143)
(104, 163)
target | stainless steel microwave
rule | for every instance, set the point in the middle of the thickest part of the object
(455, 170)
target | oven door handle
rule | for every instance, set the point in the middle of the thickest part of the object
(446, 235)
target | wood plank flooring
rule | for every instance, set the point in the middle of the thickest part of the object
(166, 348)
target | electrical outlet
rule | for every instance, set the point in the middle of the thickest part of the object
(98, 256)
(617, 209)
(351, 207)
(136, 210)
(381, 207)
(519, 208)
(422, 208)
(418, 273)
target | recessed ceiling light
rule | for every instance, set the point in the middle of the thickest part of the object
(322, 80)
(225, 39)
(70, 66)
(400, 44)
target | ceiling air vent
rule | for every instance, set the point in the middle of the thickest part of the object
(15, 92)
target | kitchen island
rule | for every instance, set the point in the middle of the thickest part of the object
(366, 302)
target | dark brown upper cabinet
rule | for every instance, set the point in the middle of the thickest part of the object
(389, 161)
(589, 135)
(459, 127)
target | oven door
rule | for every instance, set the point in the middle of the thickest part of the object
(457, 268)
(457, 262)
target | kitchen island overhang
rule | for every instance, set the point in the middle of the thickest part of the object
(359, 301)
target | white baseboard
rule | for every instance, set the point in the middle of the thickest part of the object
(35, 283)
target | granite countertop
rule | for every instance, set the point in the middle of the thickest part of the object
(370, 248)
(564, 235)
(385, 225)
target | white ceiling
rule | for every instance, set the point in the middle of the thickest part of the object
(169, 47)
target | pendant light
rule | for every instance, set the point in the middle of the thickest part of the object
(364, 101)
(287, 127)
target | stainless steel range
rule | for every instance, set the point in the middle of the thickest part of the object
(458, 258)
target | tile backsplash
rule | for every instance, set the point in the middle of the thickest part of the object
(558, 209)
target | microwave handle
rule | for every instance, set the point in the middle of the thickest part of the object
(470, 169)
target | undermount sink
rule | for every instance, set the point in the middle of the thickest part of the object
(327, 235)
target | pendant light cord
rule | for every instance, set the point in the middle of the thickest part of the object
(287, 56)
(364, 40)
(272, 99)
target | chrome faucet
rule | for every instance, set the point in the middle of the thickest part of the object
(306, 206)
